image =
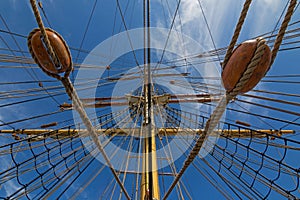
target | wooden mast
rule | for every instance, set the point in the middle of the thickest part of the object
(149, 183)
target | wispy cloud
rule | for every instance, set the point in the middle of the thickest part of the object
(222, 17)
(10, 186)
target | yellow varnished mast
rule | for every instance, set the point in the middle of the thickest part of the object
(149, 183)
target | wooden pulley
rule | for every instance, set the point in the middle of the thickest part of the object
(238, 62)
(41, 56)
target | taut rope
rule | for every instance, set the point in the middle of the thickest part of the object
(70, 90)
(215, 117)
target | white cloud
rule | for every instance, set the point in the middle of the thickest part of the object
(264, 15)
(222, 17)
(217, 13)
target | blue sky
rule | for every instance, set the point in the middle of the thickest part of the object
(71, 18)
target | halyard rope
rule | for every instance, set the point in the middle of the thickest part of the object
(70, 90)
(237, 31)
(220, 108)
(282, 30)
(43, 31)
(215, 117)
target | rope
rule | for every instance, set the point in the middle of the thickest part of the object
(282, 30)
(44, 34)
(279, 37)
(70, 90)
(237, 31)
(90, 129)
(215, 117)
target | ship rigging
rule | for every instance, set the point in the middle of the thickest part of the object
(150, 113)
